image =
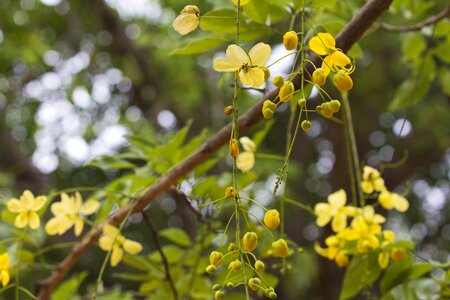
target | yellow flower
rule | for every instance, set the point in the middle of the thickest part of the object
(230, 192)
(4, 268)
(365, 234)
(27, 208)
(188, 20)
(334, 210)
(280, 248)
(113, 240)
(290, 40)
(247, 65)
(368, 215)
(234, 148)
(343, 81)
(272, 219)
(70, 212)
(398, 254)
(383, 257)
(286, 91)
(334, 251)
(372, 180)
(241, 3)
(393, 201)
(246, 159)
(268, 109)
(249, 241)
(319, 76)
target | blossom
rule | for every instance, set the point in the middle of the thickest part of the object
(247, 65)
(334, 210)
(383, 257)
(112, 240)
(4, 268)
(368, 215)
(27, 208)
(371, 180)
(188, 20)
(246, 160)
(280, 248)
(249, 241)
(70, 212)
(365, 234)
(272, 219)
(235, 265)
(391, 200)
(334, 251)
(215, 258)
(286, 91)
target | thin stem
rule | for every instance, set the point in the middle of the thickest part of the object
(300, 205)
(152, 227)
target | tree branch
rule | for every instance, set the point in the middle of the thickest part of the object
(363, 20)
(152, 227)
(416, 27)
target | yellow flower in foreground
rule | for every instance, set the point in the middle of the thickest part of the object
(368, 215)
(246, 160)
(241, 3)
(113, 240)
(334, 210)
(27, 208)
(272, 219)
(334, 251)
(393, 201)
(237, 60)
(365, 234)
(323, 44)
(69, 212)
(4, 268)
(188, 20)
(372, 180)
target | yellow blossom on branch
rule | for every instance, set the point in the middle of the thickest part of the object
(246, 160)
(113, 240)
(188, 20)
(335, 211)
(393, 201)
(4, 269)
(365, 234)
(372, 180)
(27, 207)
(70, 212)
(334, 251)
(246, 64)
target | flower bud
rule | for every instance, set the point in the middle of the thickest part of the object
(188, 20)
(249, 241)
(278, 81)
(232, 247)
(254, 283)
(326, 111)
(398, 254)
(230, 285)
(267, 114)
(286, 91)
(341, 260)
(228, 110)
(266, 72)
(219, 295)
(234, 148)
(210, 269)
(235, 265)
(334, 105)
(290, 40)
(306, 125)
(319, 76)
(272, 295)
(280, 248)
(216, 287)
(260, 266)
(343, 81)
(302, 103)
(269, 105)
(215, 258)
(230, 192)
(268, 291)
(272, 219)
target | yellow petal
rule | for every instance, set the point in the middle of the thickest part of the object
(245, 161)
(339, 222)
(367, 187)
(33, 220)
(323, 213)
(385, 199)
(322, 44)
(4, 261)
(383, 259)
(259, 54)
(185, 23)
(321, 251)
(253, 77)
(116, 256)
(223, 65)
(38, 203)
(339, 59)
(27, 199)
(400, 203)
(327, 65)
(132, 247)
(247, 144)
(79, 224)
(21, 220)
(105, 242)
(89, 207)
(111, 230)
(15, 206)
(389, 235)
(236, 55)
(378, 184)
(5, 277)
(78, 201)
(53, 226)
(58, 209)
(241, 3)
(337, 199)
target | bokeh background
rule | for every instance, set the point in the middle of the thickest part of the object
(78, 77)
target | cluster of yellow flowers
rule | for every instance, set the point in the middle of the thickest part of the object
(234, 257)
(69, 212)
(365, 232)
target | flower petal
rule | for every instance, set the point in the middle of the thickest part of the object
(132, 247)
(79, 224)
(105, 242)
(237, 56)
(339, 59)
(27, 199)
(54, 226)
(111, 231)
(339, 222)
(245, 161)
(337, 199)
(5, 277)
(185, 23)
(259, 54)
(21, 220)
(400, 203)
(322, 43)
(89, 207)
(252, 76)
(15, 206)
(38, 203)
(116, 256)
(223, 65)
(33, 220)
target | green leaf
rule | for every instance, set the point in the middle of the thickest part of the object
(177, 236)
(141, 263)
(418, 270)
(205, 167)
(413, 45)
(362, 272)
(199, 45)
(172, 253)
(219, 21)
(395, 274)
(68, 288)
(259, 137)
(257, 11)
(111, 163)
(444, 79)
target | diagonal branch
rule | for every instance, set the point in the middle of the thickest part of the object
(354, 30)
(416, 27)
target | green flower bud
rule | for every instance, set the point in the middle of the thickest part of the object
(319, 77)
(216, 287)
(278, 81)
(286, 91)
(230, 192)
(334, 105)
(219, 295)
(254, 283)
(215, 258)
(266, 72)
(230, 285)
(268, 114)
(290, 40)
(232, 247)
(306, 125)
(260, 266)
(235, 265)
(280, 248)
(326, 111)
(272, 295)
(302, 102)
(228, 110)
(210, 269)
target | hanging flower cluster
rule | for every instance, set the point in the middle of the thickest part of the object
(365, 232)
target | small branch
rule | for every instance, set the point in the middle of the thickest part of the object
(152, 227)
(416, 27)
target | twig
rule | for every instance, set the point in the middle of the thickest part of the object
(354, 30)
(416, 27)
(152, 227)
